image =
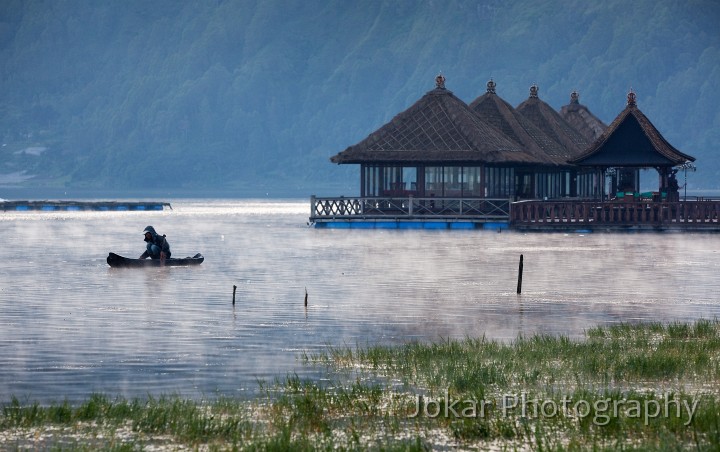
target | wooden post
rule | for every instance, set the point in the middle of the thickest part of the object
(234, 289)
(306, 297)
(520, 271)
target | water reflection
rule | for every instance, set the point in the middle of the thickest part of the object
(70, 325)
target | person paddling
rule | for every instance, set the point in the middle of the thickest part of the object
(157, 245)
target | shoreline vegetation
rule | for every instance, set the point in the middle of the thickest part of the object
(648, 386)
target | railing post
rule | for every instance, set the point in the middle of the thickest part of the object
(410, 205)
(312, 206)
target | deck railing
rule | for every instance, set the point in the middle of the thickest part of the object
(523, 214)
(615, 213)
(408, 208)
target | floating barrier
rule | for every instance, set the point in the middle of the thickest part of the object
(75, 206)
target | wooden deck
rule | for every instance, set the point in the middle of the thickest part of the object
(697, 214)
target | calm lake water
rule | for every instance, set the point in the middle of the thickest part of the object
(71, 326)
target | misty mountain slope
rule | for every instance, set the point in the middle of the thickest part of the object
(228, 95)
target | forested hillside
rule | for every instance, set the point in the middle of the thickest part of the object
(229, 95)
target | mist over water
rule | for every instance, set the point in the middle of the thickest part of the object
(70, 325)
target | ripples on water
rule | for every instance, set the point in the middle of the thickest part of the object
(70, 325)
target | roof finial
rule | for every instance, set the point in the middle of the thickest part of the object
(574, 97)
(632, 98)
(534, 91)
(440, 81)
(491, 86)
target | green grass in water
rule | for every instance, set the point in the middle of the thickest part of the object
(607, 385)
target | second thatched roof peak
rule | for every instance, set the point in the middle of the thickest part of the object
(544, 117)
(494, 110)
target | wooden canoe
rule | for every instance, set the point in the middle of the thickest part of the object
(115, 260)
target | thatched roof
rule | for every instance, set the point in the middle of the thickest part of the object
(437, 128)
(492, 109)
(581, 119)
(631, 140)
(544, 117)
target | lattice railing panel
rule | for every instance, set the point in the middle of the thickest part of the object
(409, 208)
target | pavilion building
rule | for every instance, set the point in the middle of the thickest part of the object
(444, 163)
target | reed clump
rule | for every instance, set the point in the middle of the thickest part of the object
(640, 387)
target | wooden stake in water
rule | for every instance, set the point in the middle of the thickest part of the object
(234, 289)
(306, 297)
(520, 270)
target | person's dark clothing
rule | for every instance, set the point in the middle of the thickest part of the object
(156, 244)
